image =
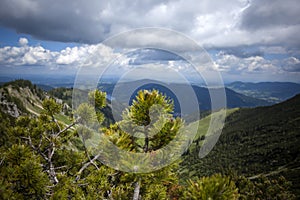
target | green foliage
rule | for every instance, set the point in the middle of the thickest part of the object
(214, 187)
(5, 123)
(20, 83)
(67, 189)
(156, 192)
(254, 141)
(164, 127)
(99, 182)
(64, 94)
(140, 108)
(86, 114)
(22, 176)
(51, 107)
(18, 103)
(98, 100)
(264, 188)
(90, 113)
(41, 158)
(148, 122)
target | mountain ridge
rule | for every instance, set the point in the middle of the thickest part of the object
(234, 99)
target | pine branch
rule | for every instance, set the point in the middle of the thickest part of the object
(85, 166)
(53, 119)
(34, 148)
(68, 127)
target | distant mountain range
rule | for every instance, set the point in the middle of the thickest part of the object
(238, 94)
(273, 92)
(233, 98)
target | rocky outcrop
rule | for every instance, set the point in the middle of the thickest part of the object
(9, 107)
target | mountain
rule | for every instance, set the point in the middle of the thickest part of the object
(21, 97)
(273, 92)
(45, 87)
(233, 98)
(254, 141)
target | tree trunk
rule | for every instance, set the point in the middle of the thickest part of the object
(146, 146)
(136, 193)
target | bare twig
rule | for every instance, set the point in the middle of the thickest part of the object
(2, 161)
(34, 148)
(137, 187)
(65, 129)
(57, 124)
(85, 166)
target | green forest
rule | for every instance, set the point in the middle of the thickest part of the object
(45, 150)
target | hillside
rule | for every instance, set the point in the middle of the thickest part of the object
(273, 92)
(256, 141)
(43, 159)
(21, 97)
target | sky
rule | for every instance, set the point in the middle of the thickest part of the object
(247, 40)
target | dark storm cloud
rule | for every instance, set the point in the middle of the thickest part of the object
(291, 64)
(270, 13)
(53, 20)
(214, 24)
(94, 20)
(145, 56)
(276, 22)
(71, 20)
(91, 21)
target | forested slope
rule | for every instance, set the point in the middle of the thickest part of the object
(256, 141)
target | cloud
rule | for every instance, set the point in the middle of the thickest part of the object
(236, 65)
(291, 64)
(243, 52)
(23, 41)
(271, 14)
(210, 23)
(256, 68)
(144, 56)
(85, 55)
(273, 50)
(272, 22)
(25, 55)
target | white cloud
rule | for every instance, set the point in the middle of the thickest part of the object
(237, 65)
(25, 55)
(23, 41)
(91, 57)
(85, 55)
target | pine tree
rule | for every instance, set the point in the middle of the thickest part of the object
(22, 176)
(147, 126)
